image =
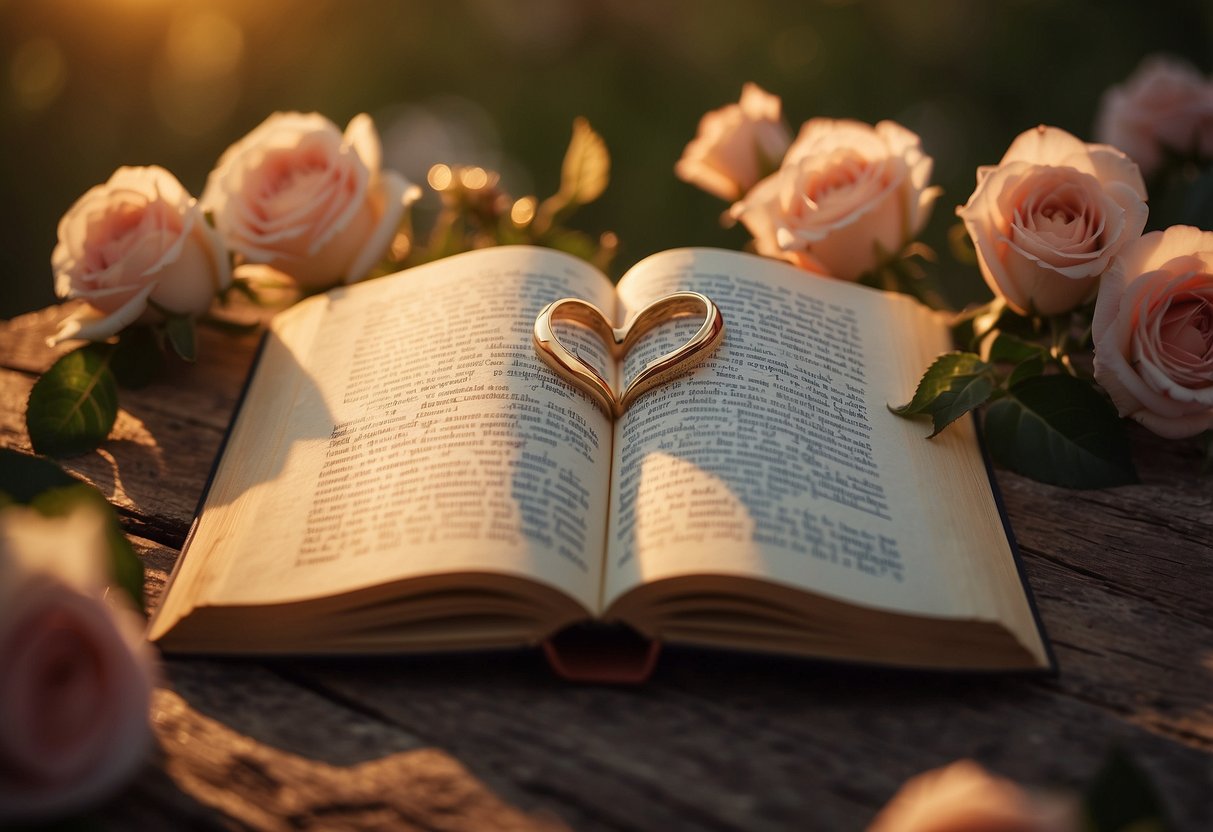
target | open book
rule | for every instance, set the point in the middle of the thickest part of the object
(405, 474)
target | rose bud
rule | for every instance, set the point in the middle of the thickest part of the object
(1048, 219)
(848, 198)
(1153, 331)
(736, 145)
(299, 196)
(130, 246)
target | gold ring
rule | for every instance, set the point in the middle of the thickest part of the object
(581, 375)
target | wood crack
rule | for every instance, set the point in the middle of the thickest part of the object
(150, 527)
(1070, 646)
(1116, 587)
(1153, 519)
(337, 697)
(1158, 727)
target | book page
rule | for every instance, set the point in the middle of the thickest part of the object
(404, 427)
(777, 457)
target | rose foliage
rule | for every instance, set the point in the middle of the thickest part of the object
(1056, 233)
(297, 206)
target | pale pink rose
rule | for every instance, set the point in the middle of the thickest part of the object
(299, 196)
(736, 145)
(964, 797)
(1165, 106)
(847, 198)
(1153, 331)
(133, 244)
(78, 674)
(1049, 218)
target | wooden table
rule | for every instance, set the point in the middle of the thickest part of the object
(1123, 578)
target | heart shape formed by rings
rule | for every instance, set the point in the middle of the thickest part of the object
(581, 375)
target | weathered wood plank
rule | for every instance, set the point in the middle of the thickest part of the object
(23, 339)
(158, 561)
(724, 741)
(202, 393)
(1128, 656)
(152, 467)
(732, 742)
(240, 746)
(1154, 540)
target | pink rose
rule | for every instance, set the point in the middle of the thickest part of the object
(736, 145)
(299, 196)
(78, 674)
(137, 242)
(848, 197)
(1049, 218)
(1165, 106)
(964, 797)
(1153, 331)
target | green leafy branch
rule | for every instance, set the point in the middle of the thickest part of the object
(1055, 427)
(477, 213)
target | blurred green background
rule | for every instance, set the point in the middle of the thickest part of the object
(89, 85)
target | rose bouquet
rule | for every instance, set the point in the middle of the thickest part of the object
(1056, 231)
(296, 206)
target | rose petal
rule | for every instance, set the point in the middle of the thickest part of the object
(87, 325)
(735, 145)
(395, 194)
(1044, 145)
(1111, 165)
(360, 134)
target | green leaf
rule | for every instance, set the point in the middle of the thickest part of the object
(43, 485)
(1060, 430)
(1013, 349)
(962, 245)
(181, 336)
(1121, 798)
(72, 407)
(584, 175)
(1029, 358)
(587, 166)
(954, 384)
(572, 242)
(1026, 369)
(973, 324)
(970, 328)
(24, 477)
(125, 568)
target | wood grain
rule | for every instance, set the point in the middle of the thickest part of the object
(717, 741)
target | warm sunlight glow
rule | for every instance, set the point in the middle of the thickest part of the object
(523, 211)
(440, 177)
(474, 178)
(686, 510)
(203, 44)
(196, 85)
(401, 246)
(38, 72)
